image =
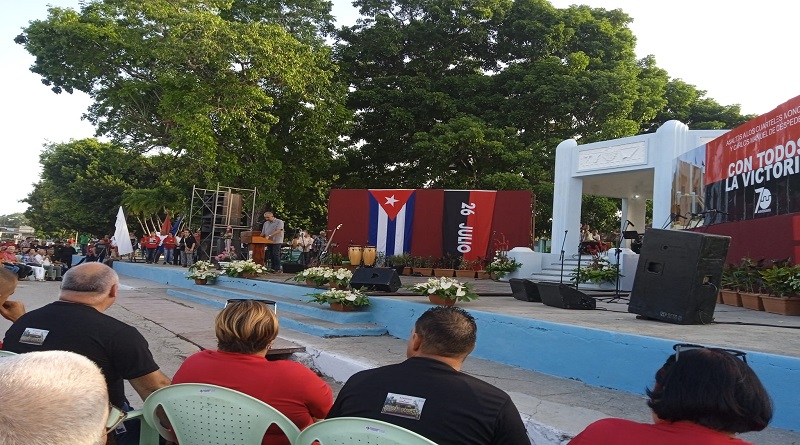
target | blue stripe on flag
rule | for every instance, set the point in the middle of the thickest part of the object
(373, 220)
(391, 230)
(409, 223)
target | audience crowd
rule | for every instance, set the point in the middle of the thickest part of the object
(701, 396)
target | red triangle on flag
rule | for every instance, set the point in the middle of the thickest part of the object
(392, 200)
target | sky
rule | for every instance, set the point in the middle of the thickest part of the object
(740, 52)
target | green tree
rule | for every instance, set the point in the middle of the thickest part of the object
(13, 220)
(241, 92)
(81, 186)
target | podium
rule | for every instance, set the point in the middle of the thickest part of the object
(256, 245)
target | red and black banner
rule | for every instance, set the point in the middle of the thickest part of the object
(753, 171)
(467, 223)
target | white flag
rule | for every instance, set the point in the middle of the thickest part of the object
(121, 234)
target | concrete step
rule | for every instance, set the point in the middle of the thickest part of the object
(309, 318)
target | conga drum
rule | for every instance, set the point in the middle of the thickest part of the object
(369, 255)
(354, 253)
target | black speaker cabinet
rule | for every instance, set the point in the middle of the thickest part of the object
(678, 276)
(524, 290)
(384, 279)
(292, 267)
(564, 296)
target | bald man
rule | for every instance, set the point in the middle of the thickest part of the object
(76, 323)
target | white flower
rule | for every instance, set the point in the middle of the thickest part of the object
(350, 297)
(460, 292)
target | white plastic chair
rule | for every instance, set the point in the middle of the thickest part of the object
(7, 353)
(203, 414)
(352, 430)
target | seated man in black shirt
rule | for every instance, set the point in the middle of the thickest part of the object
(76, 323)
(428, 393)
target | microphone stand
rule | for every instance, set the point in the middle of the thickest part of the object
(617, 252)
(561, 278)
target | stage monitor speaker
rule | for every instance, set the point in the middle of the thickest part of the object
(292, 267)
(524, 290)
(564, 296)
(384, 279)
(678, 275)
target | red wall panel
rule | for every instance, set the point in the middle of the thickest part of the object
(772, 238)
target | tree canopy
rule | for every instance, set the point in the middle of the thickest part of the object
(268, 94)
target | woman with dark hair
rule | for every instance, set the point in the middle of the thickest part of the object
(702, 396)
(245, 330)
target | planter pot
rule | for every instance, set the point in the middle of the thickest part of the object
(200, 281)
(441, 301)
(465, 274)
(752, 301)
(339, 307)
(731, 298)
(782, 306)
(407, 270)
(443, 272)
(719, 297)
(248, 275)
(424, 271)
(482, 275)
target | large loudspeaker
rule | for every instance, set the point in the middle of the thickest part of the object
(564, 296)
(383, 279)
(678, 276)
(524, 290)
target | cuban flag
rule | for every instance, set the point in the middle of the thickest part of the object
(391, 216)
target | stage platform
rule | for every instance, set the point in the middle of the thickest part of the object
(607, 347)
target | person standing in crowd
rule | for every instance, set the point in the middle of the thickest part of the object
(169, 243)
(77, 323)
(83, 240)
(318, 246)
(273, 230)
(304, 244)
(151, 244)
(702, 396)
(245, 330)
(188, 247)
(428, 393)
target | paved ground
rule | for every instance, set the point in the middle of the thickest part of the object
(554, 408)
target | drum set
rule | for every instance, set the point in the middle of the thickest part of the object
(367, 254)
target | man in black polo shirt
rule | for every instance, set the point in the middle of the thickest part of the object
(76, 323)
(428, 393)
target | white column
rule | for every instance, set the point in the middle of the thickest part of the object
(567, 194)
(671, 142)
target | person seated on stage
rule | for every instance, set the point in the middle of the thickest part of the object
(52, 397)
(245, 330)
(428, 393)
(702, 396)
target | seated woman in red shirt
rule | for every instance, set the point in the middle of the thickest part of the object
(245, 330)
(702, 396)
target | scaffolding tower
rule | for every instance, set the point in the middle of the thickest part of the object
(213, 210)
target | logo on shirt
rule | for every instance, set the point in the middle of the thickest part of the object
(401, 405)
(33, 336)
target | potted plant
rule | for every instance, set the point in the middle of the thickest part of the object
(444, 266)
(502, 265)
(782, 281)
(424, 266)
(468, 268)
(338, 278)
(445, 291)
(399, 262)
(341, 300)
(750, 283)
(202, 272)
(244, 269)
(598, 271)
(316, 276)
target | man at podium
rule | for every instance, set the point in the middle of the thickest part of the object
(273, 230)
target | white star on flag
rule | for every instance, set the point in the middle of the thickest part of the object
(390, 200)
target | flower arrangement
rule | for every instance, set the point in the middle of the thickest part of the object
(322, 275)
(243, 267)
(224, 256)
(202, 270)
(447, 288)
(343, 297)
(502, 265)
(598, 271)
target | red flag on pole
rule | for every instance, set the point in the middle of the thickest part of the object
(166, 225)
